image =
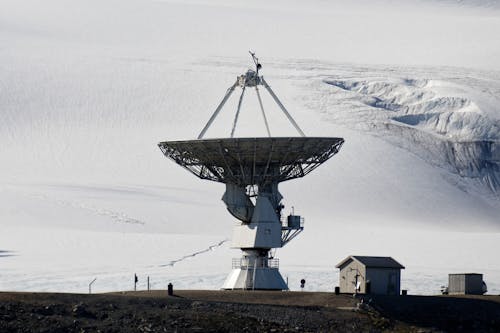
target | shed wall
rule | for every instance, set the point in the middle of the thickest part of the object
(465, 284)
(384, 281)
(347, 278)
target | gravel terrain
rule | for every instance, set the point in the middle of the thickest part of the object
(240, 311)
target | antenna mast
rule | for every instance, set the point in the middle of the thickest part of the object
(258, 66)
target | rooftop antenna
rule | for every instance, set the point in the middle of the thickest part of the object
(251, 169)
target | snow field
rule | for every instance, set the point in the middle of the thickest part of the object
(87, 90)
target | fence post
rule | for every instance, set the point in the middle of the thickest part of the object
(90, 285)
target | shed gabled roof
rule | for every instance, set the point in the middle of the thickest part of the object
(380, 262)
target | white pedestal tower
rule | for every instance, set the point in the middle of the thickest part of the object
(252, 168)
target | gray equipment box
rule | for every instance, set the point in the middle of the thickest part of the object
(465, 284)
(293, 221)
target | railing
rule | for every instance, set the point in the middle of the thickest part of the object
(251, 263)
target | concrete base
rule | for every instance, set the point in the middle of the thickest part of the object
(264, 278)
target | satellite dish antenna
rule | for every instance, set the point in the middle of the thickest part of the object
(252, 168)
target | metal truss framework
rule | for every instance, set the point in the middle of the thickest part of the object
(251, 161)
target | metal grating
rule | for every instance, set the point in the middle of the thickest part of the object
(250, 161)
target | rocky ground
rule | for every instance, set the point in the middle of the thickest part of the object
(245, 311)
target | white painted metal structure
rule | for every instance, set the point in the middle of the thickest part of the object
(252, 168)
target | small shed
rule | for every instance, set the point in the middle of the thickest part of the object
(370, 275)
(466, 284)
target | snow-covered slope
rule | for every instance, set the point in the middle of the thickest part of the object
(87, 90)
(453, 123)
(493, 4)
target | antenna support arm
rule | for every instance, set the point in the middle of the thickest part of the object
(216, 112)
(281, 106)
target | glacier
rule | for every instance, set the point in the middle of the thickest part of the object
(88, 90)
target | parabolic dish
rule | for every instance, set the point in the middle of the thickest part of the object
(252, 161)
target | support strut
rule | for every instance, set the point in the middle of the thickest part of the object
(214, 115)
(263, 113)
(282, 107)
(238, 111)
(250, 79)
